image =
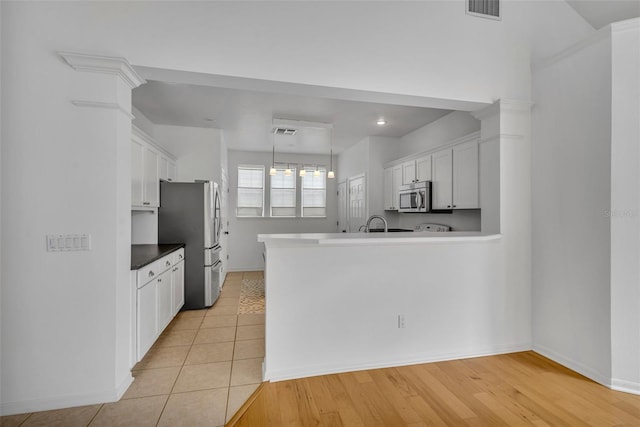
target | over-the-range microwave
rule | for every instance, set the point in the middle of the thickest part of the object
(415, 197)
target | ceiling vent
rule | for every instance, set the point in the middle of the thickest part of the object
(484, 8)
(284, 131)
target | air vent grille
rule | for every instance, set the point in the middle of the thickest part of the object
(284, 131)
(484, 8)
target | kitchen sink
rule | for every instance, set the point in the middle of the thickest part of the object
(390, 230)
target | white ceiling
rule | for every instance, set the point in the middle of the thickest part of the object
(246, 116)
(600, 13)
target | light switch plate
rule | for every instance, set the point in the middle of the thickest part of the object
(68, 242)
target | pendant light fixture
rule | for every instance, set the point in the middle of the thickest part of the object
(303, 171)
(272, 171)
(316, 172)
(330, 174)
(287, 171)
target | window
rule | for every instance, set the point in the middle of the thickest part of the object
(314, 193)
(250, 191)
(283, 193)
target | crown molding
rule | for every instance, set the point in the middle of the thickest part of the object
(627, 25)
(102, 105)
(592, 39)
(500, 106)
(105, 65)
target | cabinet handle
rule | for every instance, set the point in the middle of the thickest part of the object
(167, 263)
(454, 206)
(151, 273)
(146, 203)
(180, 256)
(448, 206)
(159, 280)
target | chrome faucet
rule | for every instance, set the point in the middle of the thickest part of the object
(371, 218)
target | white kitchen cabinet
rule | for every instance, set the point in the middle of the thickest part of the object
(177, 287)
(465, 176)
(137, 172)
(392, 182)
(166, 169)
(409, 172)
(149, 165)
(151, 178)
(455, 177)
(423, 168)
(416, 170)
(146, 319)
(165, 293)
(159, 297)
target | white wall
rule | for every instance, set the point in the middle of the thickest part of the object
(245, 253)
(57, 328)
(447, 128)
(571, 182)
(625, 206)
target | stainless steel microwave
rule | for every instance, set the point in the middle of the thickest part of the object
(415, 197)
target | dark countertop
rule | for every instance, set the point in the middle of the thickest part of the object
(142, 255)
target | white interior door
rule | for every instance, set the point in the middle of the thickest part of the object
(357, 203)
(342, 207)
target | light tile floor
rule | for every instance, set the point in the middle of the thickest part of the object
(199, 372)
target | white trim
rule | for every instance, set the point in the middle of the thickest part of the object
(500, 106)
(66, 401)
(578, 367)
(448, 144)
(136, 131)
(105, 65)
(625, 386)
(102, 105)
(500, 137)
(311, 371)
(627, 25)
(591, 40)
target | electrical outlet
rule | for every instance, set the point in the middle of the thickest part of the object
(402, 321)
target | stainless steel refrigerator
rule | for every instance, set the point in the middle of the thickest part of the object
(189, 213)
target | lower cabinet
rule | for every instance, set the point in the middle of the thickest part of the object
(159, 297)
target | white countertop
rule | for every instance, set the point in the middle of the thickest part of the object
(378, 238)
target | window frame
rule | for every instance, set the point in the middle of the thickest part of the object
(323, 171)
(281, 169)
(238, 188)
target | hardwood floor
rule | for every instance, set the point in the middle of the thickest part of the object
(506, 390)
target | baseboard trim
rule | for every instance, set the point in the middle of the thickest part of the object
(67, 401)
(625, 386)
(313, 371)
(573, 365)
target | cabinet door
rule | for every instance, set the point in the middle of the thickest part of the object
(137, 173)
(442, 186)
(146, 319)
(397, 182)
(465, 176)
(177, 285)
(163, 168)
(409, 172)
(165, 309)
(151, 178)
(388, 189)
(423, 168)
(171, 171)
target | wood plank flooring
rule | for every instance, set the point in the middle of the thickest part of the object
(514, 389)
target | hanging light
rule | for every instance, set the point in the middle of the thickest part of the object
(272, 171)
(303, 171)
(316, 172)
(287, 171)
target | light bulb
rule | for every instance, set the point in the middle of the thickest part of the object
(272, 171)
(303, 172)
(331, 175)
(287, 172)
(316, 173)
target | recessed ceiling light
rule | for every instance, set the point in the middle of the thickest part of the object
(381, 122)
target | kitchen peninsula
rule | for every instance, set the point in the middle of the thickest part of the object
(350, 301)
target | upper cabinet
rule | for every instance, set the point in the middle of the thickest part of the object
(416, 170)
(149, 165)
(392, 182)
(455, 177)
